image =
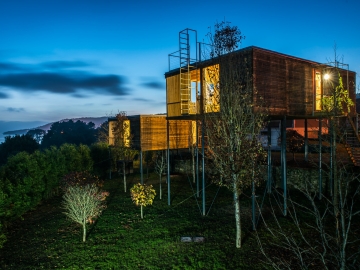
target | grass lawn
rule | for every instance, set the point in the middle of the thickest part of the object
(120, 239)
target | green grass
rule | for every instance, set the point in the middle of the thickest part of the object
(120, 239)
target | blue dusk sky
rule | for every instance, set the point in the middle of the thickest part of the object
(73, 58)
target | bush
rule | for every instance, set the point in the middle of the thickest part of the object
(142, 195)
(83, 204)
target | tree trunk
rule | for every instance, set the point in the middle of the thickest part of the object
(84, 231)
(193, 165)
(124, 172)
(147, 170)
(160, 187)
(237, 214)
(141, 207)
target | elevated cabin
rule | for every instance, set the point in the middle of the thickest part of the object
(149, 132)
(288, 86)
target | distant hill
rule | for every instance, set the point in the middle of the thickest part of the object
(96, 120)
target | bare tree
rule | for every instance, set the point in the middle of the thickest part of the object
(122, 143)
(160, 167)
(315, 236)
(320, 234)
(232, 121)
(83, 204)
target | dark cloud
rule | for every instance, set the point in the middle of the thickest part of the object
(65, 83)
(10, 67)
(10, 109)
(143, 99)
(31, 78)
(154, 85)
(64, 64)
(3, 96)
(76, 95)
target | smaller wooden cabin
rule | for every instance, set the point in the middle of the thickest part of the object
(150, 132)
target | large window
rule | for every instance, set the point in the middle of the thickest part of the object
(212, 91)
(318, 91)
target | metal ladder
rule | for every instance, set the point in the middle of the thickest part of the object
(185, 70)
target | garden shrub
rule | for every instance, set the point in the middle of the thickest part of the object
(26, 179)
(100, 155)
(142, 195)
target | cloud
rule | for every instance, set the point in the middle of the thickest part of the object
(10, 67)
(65, 83)
(10, 109)
(56, 80)
(3, 96)
(64, 64)
(150, 82)
(143, 99)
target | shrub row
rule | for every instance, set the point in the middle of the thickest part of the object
(26, 178)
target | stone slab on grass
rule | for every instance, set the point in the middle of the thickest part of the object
(187, 239)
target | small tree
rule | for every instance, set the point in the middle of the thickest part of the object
(83, 204)
(232, 122)
(122, 142)
(160, 166)
(142, 195)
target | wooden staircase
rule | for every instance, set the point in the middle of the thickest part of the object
(352, 141)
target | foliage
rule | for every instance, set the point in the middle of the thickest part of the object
(37, 134)
(47, 240)
(83, 204)
(69, 132)
(76, 157)
(121, 150)
(80, 179)
(224, 39)
(13, 145)
(338, 102)
(2, 237)
(142, 195)
(100, 154)
(102, 133)
(27, 179)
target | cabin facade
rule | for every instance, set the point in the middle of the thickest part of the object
(286, 85)
(150, 132)
(291, 89)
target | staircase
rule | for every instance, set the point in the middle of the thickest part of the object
(352, 141)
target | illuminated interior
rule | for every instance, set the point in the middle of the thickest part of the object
(211, 89)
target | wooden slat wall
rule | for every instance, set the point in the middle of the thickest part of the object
(270, 81)
(173, 96)
(153, 132)
(180, 131)
(299, 88)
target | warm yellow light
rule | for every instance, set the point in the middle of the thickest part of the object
(327, 76)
